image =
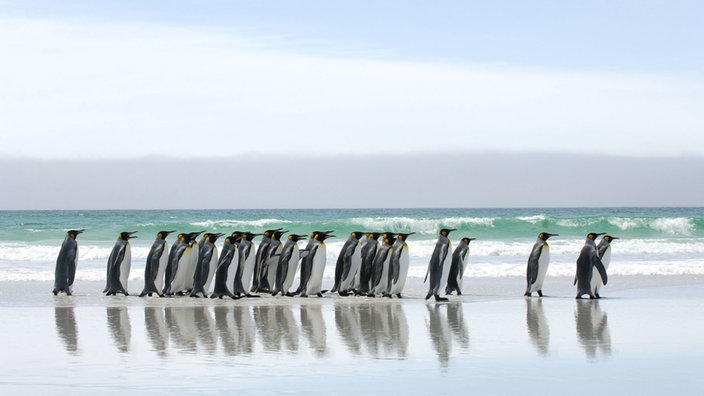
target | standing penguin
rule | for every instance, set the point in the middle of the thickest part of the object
(227, 267)
(399, 264)
(207, 263)
(348, 263)
(288, 264)
(366, 270)
(604, 251)
(459, 263)
(307, 265)
(154, 269)
(538, 262)
(171, 262)
(245, 270)
(343, 263)
(587, 260)
(316, 259)
(184, 264)
(380, 275)
(66, 263)
(271, 263)
(119, 264)
(439, 265)
(260, 260)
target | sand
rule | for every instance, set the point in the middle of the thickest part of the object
(643, 337)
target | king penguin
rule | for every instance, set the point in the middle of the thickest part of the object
(227, 267)
(604, 251)
(245, 271)
(380, 277)
(288, 264)
(439, 265)
(184, 264)
(207, 262)
(368, 249)
(316, 259)
(66, 263)
(306, 265)
(459, 264)
(154, 269)
(260, 260)
(175, 252)
(271, 263)
(399, 264)
(538, 262)
(119, 264)
(344, 266)
(586, 262)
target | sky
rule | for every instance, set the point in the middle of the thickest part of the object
(134, 85)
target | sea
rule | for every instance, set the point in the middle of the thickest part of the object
(652, 241)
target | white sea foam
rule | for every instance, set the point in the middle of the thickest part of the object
(420, 225)
(674, 226)
(214, 224)
(532, 219)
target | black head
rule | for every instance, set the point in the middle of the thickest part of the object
(210, 237)
(374, 235)
(163, 234)
(446, 231)
(296, 237)
(126, 235)
(74, 233)
(248, 236)
(357, 234)
(403, 237)
(468, 240)
(191, 236)
(545, 235)
(278, 233)
(609, 238)
(593, 235)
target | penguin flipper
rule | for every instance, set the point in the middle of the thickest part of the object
(602, 270)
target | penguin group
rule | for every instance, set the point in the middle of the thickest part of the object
(368, 264)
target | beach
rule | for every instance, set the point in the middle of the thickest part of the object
(642, 337)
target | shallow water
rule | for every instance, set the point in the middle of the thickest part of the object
(640, 340)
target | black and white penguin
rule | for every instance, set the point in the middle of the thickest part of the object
(439, 265)
(348, 263)
(227, 267)
(604, 251)
(380, 275)
(245, 270)
(368, 248)
(184, 265)
(258, 278)
(207, 263)
(66, 263)
(316, 260)
(119, 264)
(175, 252)
(288, 264)
(459, 264)
(155, 266)
(271, 262)
(538, 262)
(586, 262)
(306, 265)
(399, 264)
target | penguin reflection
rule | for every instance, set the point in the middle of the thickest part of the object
(313, 327)
(205, 329)
(235, 328)
(67, 328)
(277, 327)
(439, 330)
(592, 328)
(537, 325)
(382, 328)
(120, 328)
(455, 317)
(157, 332)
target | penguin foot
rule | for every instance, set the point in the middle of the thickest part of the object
(234, 297)
(597, 296)
(304, 295)
(251, 295)
(527, 294)
(399, 295)
(540, 293)
(438, 298)
(343, 293)
(372, 295)
(319, 295)
(429, 295)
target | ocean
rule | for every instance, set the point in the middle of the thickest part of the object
(653, 241)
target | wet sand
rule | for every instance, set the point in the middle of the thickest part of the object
(644, 337)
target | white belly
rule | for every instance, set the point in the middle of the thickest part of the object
(125, 266)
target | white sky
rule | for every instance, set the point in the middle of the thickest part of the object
(85, 86)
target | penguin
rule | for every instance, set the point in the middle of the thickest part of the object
(66, 263)
(604, 251)
(207, 263)
(119, 264)
(288, 264)
(345, 269)
(380, 276)
(368, 252)
(306, 265)
(172, 261)
(227, 267)
(245, 270)
(351, 262)
(399, 264)
(260, 259)
(271, 262)
(317, 258)
(538, 262)
(459, 264)
(586, 262)
(156, 265)
(439, 265)
(184, 264)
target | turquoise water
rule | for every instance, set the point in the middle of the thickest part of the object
(653, 240)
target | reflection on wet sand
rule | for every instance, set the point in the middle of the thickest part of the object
(235, 328)
(67, 328)
(381, 329)
(120, 328)
(277, 328)
(537, 325)
(313, 328)
(592, 328)
(443, 321)
(157, 332)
